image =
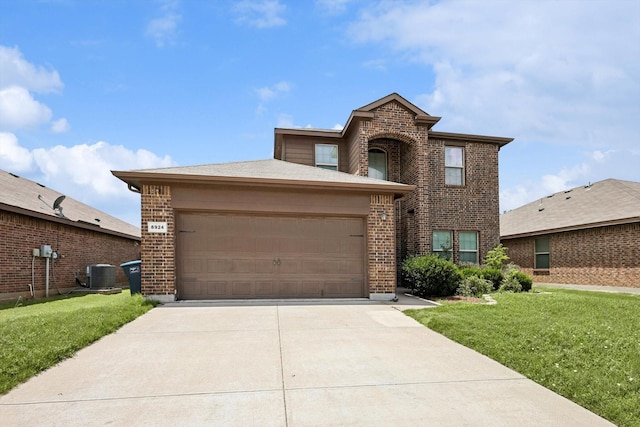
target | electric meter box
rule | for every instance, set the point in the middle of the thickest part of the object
(45, 251)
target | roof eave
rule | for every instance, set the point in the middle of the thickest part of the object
(66, 221)
(137, 179)
(621, 221)
(501, 141)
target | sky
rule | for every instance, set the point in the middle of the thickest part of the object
(90, 86)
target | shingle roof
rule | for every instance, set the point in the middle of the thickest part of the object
(611, 201)
(30, 198)
(269, 171)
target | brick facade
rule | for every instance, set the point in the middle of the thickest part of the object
(416, 158)
(158, 252)
(605, 256)
(381, 245)
(76, 248)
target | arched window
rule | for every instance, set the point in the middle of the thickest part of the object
(377, 164)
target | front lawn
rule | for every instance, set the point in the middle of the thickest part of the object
(35, 335)
(582, 345)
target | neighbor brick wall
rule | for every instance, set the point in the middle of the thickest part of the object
(158, 252)
(76, 247)
(381, 245)
(606, 256)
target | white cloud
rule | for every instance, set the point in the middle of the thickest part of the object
(337, 126)
(260, 13)
(163, 29)
(16, 71)
(332, 7)
(13, 157)
(60, 126)
(19, 110)
(548, 70)
(286, 121)
(267, 93)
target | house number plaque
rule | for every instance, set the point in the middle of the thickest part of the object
(156, 227)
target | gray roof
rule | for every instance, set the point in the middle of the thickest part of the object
(607, 202)
(269, 171)
(31, 198)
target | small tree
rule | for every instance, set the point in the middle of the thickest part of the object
(496, 257)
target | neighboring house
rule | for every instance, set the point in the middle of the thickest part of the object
(587, 235)
(78, 234)
(332, 215)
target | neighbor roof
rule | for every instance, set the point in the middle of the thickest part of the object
(30, 198)
(607, 202)
(269, 172)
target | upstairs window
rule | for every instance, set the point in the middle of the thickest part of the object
(377, 164)
(541, 249)
(468, 241)
(442, 243)
(327, 156)
(454, 165)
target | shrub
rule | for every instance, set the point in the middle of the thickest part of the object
(470, 270)
(496, 257)
(493, 275)
(474, 286)
(524, 280)
(511, 284)
(431, 275)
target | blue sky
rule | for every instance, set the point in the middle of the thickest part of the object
(92, 86)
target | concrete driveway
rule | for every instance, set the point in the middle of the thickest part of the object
(283, 364)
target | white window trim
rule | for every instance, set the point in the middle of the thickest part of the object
(535, 254)
(461, 168)
(315, 155)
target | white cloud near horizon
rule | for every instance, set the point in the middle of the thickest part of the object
(163, 29)
(558, 73)
(260, 14)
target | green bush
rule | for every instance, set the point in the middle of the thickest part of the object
(496, 257)
(474, 286)
(524, 280)
(510, 284)
(431, 275)
(470, 270)
(493, 275)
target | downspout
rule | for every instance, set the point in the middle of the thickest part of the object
(31, 286)
(47, 279)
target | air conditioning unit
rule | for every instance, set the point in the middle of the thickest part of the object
(100, 276)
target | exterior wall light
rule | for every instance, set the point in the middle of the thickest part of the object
(383, 215)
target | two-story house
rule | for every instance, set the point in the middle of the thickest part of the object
(333, 214)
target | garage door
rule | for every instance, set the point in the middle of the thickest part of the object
(243, 256)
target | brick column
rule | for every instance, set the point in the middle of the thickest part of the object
(381, 241)
(158, 252)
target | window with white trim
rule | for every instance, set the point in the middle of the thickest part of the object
(377, 164)
(468, 246)
(453, 165)
(541, 251)
(443, 243)
(327, 156)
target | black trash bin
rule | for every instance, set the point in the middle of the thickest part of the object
(132, 270)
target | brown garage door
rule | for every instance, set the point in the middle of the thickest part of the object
(243, 256)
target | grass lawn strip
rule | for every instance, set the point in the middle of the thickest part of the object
(39, 334)
(582, 345)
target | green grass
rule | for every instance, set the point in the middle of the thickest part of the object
(582, 345)
(35, 335)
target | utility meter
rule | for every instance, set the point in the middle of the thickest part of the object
(45, 251)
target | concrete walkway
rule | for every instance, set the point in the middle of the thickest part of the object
(353, 363)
